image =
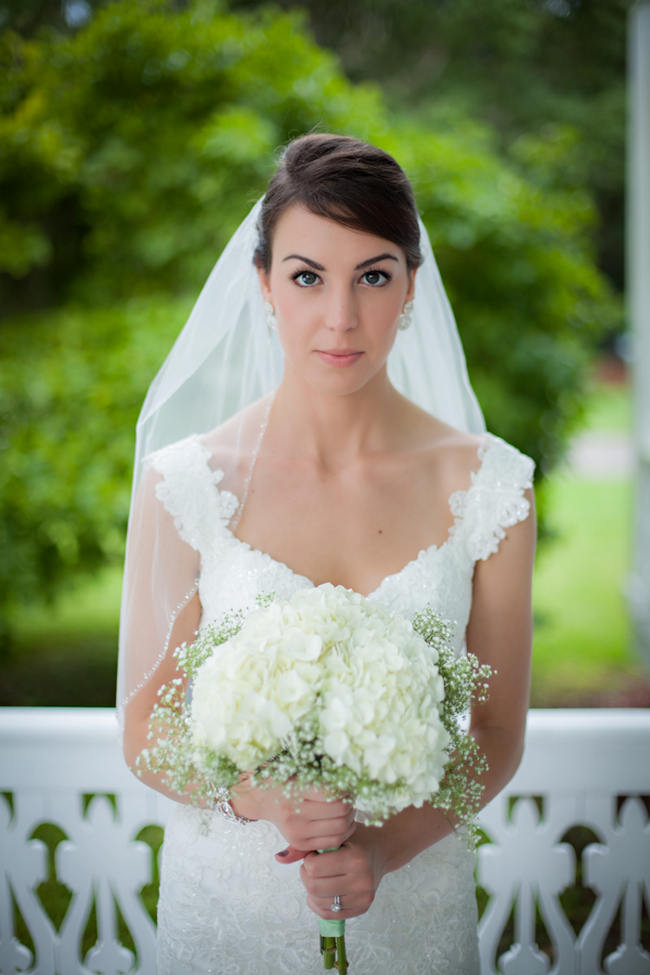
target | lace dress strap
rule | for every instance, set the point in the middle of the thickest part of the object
(190, 493)
(495, 499)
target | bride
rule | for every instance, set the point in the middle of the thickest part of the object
(314, 422)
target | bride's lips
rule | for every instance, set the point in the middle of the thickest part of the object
(340, 357)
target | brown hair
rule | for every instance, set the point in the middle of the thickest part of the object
(346, 180)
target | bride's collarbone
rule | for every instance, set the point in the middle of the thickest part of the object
(358, 527)
(355, 547)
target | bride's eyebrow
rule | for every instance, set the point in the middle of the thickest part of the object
(319, 267)
(374, 260)
(306, 260)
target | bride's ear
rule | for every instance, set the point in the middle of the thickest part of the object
(411, 291)
(263, 279)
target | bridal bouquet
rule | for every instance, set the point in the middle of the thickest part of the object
(325, 689)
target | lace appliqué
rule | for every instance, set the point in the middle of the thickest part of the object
(189, 489)
(495, 499)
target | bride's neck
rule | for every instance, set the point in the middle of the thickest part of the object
(334, 430)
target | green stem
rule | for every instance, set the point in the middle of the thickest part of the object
(328, 948)
(341, 956)
(332, 944)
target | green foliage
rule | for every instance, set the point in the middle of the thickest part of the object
(479, 53)
(130, 150)
(70, 389)
(131, 147)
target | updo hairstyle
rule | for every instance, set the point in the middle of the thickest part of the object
(346, 180)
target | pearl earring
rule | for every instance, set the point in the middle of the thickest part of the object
(271, 320)
(406, 318)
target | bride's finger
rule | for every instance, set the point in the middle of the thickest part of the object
(325, 843)
(326, 888)
(351, 906)
(329, 863)
(311, 795)
(342, 829)
(327, 810)
(291, 855)
(323, 906)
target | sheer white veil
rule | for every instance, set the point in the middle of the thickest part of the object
(224, 360)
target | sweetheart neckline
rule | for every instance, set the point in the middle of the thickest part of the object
(430, 549)
(299, 575)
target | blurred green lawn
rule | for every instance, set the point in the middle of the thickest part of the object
(582, 647)
(609, 408)
(65, 654)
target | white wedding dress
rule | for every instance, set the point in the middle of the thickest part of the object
(226, 906)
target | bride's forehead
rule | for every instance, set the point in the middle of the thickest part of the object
(299, 230)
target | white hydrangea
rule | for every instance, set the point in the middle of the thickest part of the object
(331, 662)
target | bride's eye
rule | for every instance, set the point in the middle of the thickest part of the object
(376, 278)
(306, 278)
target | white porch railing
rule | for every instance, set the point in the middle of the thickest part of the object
(572, 828)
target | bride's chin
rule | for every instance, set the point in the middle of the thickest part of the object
(339, 386)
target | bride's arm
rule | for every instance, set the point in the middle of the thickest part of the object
(138, 710)
(160, 610)
(499, 633)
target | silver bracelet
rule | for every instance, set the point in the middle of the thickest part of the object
(222, 805)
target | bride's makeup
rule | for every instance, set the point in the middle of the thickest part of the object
(337, 294)
(339, 359)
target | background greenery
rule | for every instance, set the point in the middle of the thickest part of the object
(134, 136)
(583, 652)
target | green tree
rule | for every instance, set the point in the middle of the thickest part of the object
(129, 146)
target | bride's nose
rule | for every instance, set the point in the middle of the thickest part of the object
(342, 312)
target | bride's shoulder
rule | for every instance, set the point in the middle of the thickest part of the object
(450, 455)
(457, 459)
(237, 439)
(220, 448)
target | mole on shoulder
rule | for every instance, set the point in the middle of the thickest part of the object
(380, 531)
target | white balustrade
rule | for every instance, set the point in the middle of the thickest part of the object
(573, 821)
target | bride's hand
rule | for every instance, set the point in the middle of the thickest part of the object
(353, 873)
(308, 820)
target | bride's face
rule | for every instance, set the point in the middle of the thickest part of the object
(337, 294)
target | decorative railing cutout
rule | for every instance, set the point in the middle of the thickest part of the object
(79, 842)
